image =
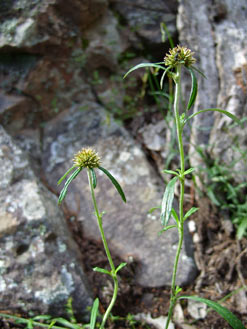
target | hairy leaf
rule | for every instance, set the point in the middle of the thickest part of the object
(166, 205)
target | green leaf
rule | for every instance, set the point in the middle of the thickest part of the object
(193, 92)
(163, 77)
(51, 325)
(114, 182)
(189, 171)
(190, 212)
(222, 311)
(166, 205)
(151, 210)
(145, 65)
(170, 172)
(94, 178)
(41, 317)
(94, 313)
(120, 267)
(65, 188)
(199, 71)
(101, 270)
(230, 115)
(66, 323)
(65, 175)
(175, 216)
(166, 229)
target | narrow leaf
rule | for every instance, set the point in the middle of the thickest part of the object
(193, 92)
(230, 115)
(51, 325)
(175, 216)
(222, 311)
(144, 65)
(41, 317)
(65, 188)
(166, 205)
(94, 178)
(199, 71)
(163, 77)
(189, 171)
(190, 212)
(151, 210)
(120, 267)
(65, 175)
(94, 313)
(170, 172)
(114, 182)
(65, 323)
(166, 229)
(101, 270)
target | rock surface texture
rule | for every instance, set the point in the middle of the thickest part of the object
(215, 31)
(61, 67)
(40, 264)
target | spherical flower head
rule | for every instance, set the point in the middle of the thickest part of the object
(87, 158)
(179, 55)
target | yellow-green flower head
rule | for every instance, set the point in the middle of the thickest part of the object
(179, 55)
(87, 158)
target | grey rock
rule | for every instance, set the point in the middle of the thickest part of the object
(131, 231)
(197, 309)
(217, 35)
(144, 18)
(40, 265)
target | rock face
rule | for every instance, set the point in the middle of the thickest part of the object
(216, 32)
(131, 231)
(40, 264)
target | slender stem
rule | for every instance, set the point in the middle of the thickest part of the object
(108, 254)
(181, 197)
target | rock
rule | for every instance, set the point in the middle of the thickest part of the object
(131, 231)
(217, 35)
(40, 264)
(144, 18)
(196, 309)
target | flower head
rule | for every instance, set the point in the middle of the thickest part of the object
(179, 55)
(87, 158)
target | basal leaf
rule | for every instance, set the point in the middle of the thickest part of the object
(120, 267)
(101, 270)
(145, 65)
(94, 313)
(230, 115)
(222, 311)
(114, 182)
(94, 178)
(190, 212)
(193, 92)
(166, 205)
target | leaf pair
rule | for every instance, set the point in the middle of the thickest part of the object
(94, 181)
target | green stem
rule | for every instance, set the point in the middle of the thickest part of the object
(179, 128)
(108, 254)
